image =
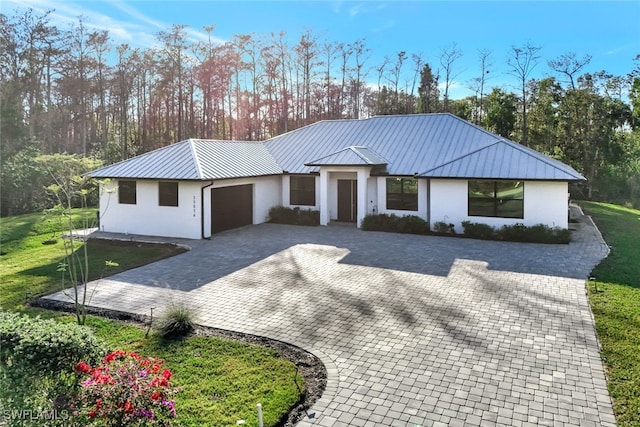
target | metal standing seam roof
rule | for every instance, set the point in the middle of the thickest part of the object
(196, 159)
(351, 156)
(505, 160)
(429, 145)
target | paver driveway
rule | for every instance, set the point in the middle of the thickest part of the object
(414, 330)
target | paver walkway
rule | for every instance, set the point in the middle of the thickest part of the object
(413, 330)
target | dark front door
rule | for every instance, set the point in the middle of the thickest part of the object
(231, 207)
(347, 200)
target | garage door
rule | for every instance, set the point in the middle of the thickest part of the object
(231, 207)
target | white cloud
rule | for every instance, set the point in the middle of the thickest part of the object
(138, 30)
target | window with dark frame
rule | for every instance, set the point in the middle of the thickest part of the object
(402, 194)
(168, 193)
(500, 199)
(127, 192)
(302, 190)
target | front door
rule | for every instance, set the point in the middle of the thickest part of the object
(347, 200)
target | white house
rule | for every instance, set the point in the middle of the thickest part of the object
(436, 166)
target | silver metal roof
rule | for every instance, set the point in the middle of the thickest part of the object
(505, 160)
(427, 145)
(350, 156)
(415, 144)
(196, 159)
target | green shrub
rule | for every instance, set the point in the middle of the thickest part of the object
(376, 222)
(478, 230)
(294, 216)
(177, 321)
(412, 224)
(538, 233)
(396, 224)
(45, 345)
(514, 233)
(37, 358)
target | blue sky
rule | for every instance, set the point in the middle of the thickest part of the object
(607, 30)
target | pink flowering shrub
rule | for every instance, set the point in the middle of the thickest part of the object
(126, 390)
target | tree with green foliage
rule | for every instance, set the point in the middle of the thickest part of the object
(428, 92)
(588, 124)
(501, 112)
(545, 96)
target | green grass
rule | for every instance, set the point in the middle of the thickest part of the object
(222, 380)
(617, 307)
(29, 268)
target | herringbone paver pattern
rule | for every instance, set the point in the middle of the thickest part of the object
(413, 330)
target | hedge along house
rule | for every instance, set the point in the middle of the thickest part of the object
(436, 166)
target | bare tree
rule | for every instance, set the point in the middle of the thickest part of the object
(478, 83)
(360, 56)
(381, 70)
(521, 61)
(306, 52)
(569, 65)
(394, 79)
(448, 56)
(418, 63)
(99, 47)
(172, 56)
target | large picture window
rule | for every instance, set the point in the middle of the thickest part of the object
(402, 194)
(302, 190)
(127, 192)
(503, 199)
(168, 193)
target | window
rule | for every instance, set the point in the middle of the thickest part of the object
(302, 190)
(168, 193)
(402, 194)
(503, 199)
(127, 192)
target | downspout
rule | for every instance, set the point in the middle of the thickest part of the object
(202, 209)
(429, 203)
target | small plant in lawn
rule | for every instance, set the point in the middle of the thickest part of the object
(125, 390)
(177, 321)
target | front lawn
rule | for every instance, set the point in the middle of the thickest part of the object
(617, 306)
(30, 264)
(222, 380)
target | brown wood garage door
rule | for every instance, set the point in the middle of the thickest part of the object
(231, 207)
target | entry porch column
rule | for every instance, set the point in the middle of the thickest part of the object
(324, 198)
(362, 175)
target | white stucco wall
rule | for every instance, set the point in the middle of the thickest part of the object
(545, 202)
(422, 199)
(146, 217)
(372, 195)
